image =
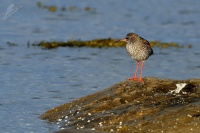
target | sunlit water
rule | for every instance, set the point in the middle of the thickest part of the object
(34, 80)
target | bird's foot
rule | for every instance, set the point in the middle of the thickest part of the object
(136, 79)
(140, 80)
(133, 78)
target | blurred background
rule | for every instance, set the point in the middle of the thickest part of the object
(34, 80)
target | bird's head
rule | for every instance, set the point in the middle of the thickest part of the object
(130, 37)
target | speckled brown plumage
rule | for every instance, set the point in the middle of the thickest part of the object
(139, 49)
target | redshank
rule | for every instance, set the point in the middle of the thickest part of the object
(138, 49)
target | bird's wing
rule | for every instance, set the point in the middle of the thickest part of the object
(144, 41)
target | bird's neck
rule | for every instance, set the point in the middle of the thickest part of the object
(132, 41)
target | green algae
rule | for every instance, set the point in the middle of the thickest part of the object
(130, 106)
(109, 42)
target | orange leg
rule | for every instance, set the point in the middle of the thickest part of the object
(141, 70)
(136, 71)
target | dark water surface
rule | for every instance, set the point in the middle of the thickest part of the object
(34, 80)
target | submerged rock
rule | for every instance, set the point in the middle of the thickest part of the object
(157, 105)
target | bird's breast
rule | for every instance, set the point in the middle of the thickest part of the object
(137, 52)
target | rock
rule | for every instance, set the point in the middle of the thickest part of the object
(77, 131)
(129, 106)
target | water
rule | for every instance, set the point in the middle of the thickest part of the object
(34, 80)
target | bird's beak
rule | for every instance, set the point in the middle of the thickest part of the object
(123, 40)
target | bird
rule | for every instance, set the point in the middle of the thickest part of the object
(139, 50)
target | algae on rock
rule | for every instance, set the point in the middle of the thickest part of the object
(102, 43)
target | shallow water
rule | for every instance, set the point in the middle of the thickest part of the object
(34, 80)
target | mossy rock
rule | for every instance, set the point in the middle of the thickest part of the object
(101, 43)
(130, 106)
